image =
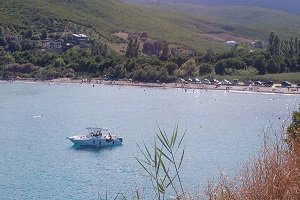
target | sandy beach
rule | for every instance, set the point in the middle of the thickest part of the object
(275, 89)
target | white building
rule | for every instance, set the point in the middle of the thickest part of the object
(53, 44)
(231, 43)
(80, 38)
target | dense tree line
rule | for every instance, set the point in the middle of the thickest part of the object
(281, 56)
(285, 54)
(25, 58)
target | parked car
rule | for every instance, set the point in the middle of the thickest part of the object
(226, 82)
(181, 80)
(258, 83)
(215, 82)
(196, 80)
(298, 84)
(269, 83)
(247, 83)
(235, 82)
(286, 84)
(206, 81)
(189, 80)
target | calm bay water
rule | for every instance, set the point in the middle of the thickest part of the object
(224, 129)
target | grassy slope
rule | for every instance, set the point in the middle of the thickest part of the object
(107, 16)
(248, 21)
(290, 6)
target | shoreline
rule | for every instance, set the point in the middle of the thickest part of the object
(276, 89)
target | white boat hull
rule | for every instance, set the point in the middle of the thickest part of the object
(96, 141)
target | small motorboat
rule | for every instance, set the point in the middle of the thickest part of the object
(96, 138)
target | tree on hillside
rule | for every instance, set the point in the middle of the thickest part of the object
(285, 48)
(28, 34)
(163, 75)
(44, 34)
(271, 38)
(129, 49)
(205, 68)
(116, 72)
(130, 65)
(299, 49)
(27, 44)
(220, 67)
(291, 47)
(260, 64)
(188, 69)
(209, 57)
(271, 42)
(6, 58)
(99, 49)
(165, 52)
(171, 67)
(105, 50)
(132, 50)
(1, 31)
(59, 62)
(179, 60)
(14, 46)
(291, 64)
(227, 66)
(241, 50)
(276, 46)
(273, 67)
(296, 46)
(2, 41)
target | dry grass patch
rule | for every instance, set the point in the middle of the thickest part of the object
(273, 174)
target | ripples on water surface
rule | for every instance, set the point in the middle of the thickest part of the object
(37, 162)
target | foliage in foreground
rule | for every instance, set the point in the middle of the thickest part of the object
(294, 132)
(163, 164)
(273, 174)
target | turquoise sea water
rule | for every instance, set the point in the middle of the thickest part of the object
(224, 129)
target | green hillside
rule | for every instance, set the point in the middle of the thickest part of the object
(107, 16)
(244, 20)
